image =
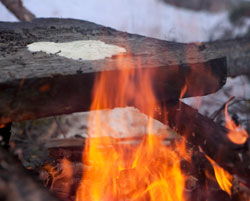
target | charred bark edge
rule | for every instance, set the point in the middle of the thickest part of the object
(202, 132)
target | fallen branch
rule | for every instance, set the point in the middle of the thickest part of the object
(16, 7)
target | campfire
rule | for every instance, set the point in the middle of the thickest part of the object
(190, 158)
(141, 169)
(147, 171)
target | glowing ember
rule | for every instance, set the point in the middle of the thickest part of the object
(237, 134)
(148, 171)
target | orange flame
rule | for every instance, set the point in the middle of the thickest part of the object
(183, 91)
(148, 171)
(223, 177)
(236, 134)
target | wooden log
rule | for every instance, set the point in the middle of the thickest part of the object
(36, 84)
(16, 7)
(73, 93)
(17, 184)
(202, 5)
(211, 137)
(72, 150)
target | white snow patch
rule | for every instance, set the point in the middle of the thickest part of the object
(123, 122)
(82, 49)
(237, 87)
(117, 123)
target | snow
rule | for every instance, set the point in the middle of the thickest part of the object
(147, 17)
(237, 87)
(78, 50)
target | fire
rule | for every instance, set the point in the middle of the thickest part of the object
(236, 134)
(223, 177)
(145, 171)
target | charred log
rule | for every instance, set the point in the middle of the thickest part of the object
(73, 93)
(210, 137)
(17, 184)
(36, 84)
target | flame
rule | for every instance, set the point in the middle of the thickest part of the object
(223, 177)
(145, 171)
(183, 91)
(236, 134)
(2, 125)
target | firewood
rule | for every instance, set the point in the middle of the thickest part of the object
(201, 5)
(54, 177)
(35, 84)
(210, 137)
(16, 183)
(16, 7)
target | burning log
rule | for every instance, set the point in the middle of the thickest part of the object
(71, 150)
(34, 84)
(211, 137)
(17, 184)
(198, 186)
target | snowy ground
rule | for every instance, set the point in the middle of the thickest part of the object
(147, 17)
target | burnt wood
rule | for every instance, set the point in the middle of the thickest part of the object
(34, 85)
(16, 183)
(210, 137)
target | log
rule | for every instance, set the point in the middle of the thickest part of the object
(202, 132)
(36, 84)
(72, 150)
(198, 130)
(16, 183)
(202, 5)
(16, 7)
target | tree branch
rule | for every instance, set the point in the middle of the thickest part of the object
(16, 7)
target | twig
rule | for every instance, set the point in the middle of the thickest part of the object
(16, 7)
